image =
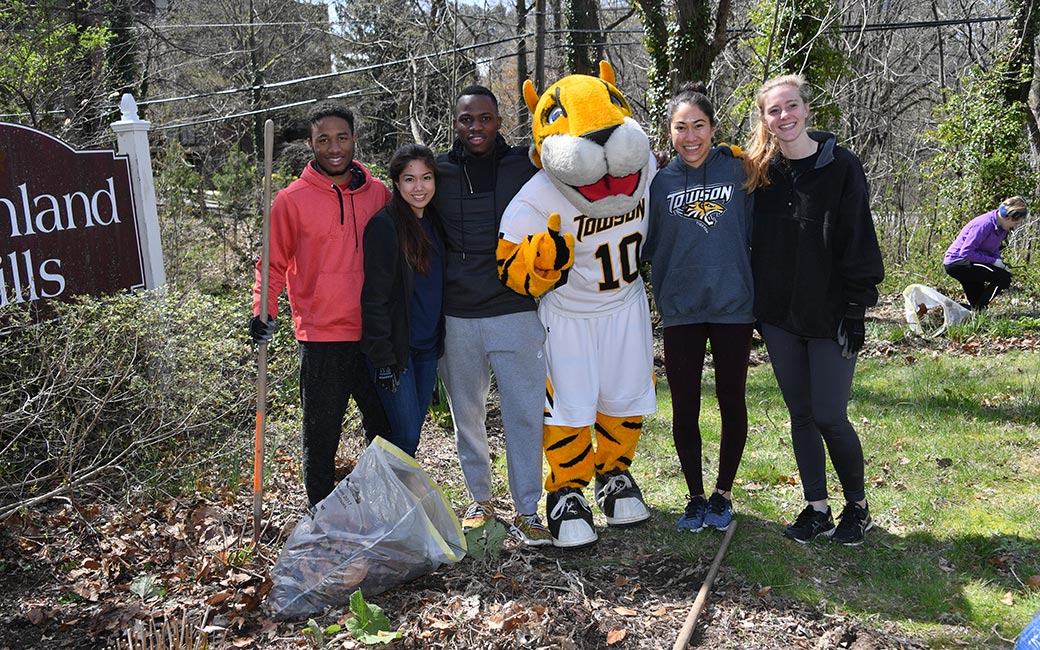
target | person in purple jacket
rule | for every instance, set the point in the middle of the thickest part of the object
(974, 257)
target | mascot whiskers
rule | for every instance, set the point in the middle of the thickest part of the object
(572, 236)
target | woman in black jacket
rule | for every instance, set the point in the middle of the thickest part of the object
(816, 265)
(402, 331)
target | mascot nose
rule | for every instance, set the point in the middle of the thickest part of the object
(601, 136)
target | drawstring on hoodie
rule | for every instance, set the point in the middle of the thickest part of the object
(353, 211)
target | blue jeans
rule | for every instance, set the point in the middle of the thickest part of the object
(406, 409)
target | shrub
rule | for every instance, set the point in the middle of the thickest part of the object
(150, 389)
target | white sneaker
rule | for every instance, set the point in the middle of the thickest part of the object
(570, 518)
(620, 498)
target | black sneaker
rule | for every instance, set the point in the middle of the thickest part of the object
(570, 518)
(810, 524)
(620, 499)
(853, 523)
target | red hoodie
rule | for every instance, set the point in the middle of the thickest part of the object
(316, 253)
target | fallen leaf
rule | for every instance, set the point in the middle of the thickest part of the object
(36, 615)
(754, 486)
(625, 611)
(218, 598)
(763, 591)
(661, 611)
(1033, 582)
(620, 581)
(616, 636)
(1008, 599)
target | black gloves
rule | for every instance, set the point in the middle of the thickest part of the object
(260, 331)
(387, 379)
(851, 331)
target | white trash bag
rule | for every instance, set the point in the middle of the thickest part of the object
(385, 524)
(919, 300)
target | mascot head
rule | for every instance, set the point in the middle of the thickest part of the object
(587, 142)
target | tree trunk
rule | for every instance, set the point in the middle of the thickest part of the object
(521, 60)
(585, 41)
(1021, 50)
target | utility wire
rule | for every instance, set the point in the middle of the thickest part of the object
(433, 55)
(289, 82)
(338, 73)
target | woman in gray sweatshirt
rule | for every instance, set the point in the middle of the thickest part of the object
(699, 247)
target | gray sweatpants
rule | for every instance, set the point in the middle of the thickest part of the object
(512, 346)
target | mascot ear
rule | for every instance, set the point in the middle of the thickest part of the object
(606, 73)
(530, 95)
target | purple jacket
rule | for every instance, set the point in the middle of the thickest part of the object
(979, 241)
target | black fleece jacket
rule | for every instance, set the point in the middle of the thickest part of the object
(814, 251)
(472, 193)
(386, 295)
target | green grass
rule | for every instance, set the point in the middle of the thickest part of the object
(953, 465)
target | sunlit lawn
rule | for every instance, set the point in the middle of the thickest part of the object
(953, 464)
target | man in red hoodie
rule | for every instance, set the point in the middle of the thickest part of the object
(316, 255)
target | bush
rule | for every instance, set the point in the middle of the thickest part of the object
(149, 390)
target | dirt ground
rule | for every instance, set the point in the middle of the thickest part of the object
(81, 574)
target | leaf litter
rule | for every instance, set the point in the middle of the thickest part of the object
(80, 574)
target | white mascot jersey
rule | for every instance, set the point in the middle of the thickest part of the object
(605, 275)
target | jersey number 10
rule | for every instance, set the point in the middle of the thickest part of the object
(628, 252)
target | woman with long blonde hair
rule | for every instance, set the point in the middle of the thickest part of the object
(816, 265)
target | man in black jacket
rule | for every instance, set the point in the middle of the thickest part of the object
(486, 324)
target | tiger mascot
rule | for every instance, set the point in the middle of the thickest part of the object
(572, 236)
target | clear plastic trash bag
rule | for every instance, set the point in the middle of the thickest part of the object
(385, 524)
(922, 306)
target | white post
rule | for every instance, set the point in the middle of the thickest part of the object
(132, 136)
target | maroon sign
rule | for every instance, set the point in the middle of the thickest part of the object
(67, 222)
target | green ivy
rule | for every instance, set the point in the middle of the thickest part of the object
(981, 155)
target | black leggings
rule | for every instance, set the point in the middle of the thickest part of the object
(816, 380)
(982, 282)
(684, 350)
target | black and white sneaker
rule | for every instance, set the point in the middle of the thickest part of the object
(853, 524)
(810, 524)
(570, 518)
(620, 499)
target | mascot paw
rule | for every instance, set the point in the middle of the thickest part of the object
(555, 251)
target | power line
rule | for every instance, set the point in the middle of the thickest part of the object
(329, 75)
(377, 66)
(862, 27)
(364, 92)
